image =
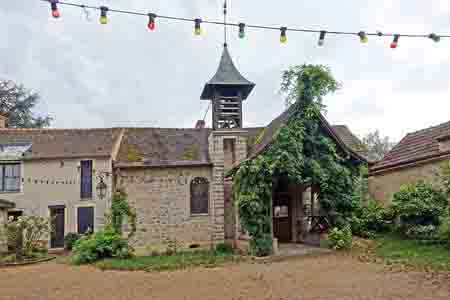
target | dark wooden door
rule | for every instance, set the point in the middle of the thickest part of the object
(58, 220)
(282, 218)
(85, 219)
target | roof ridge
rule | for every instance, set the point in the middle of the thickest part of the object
(429, 128)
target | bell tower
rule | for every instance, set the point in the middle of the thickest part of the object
(227, 90)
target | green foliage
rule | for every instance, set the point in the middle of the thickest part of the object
(224, 248)
(421, 232)
(120, 209)
(340, 239)
(181, 260)
(70, 239)
(25, 233)
(300, 151)
(18, 103)
(102, 244)
(444, 230)
(371, 218)
(420, 204)
(295, 82)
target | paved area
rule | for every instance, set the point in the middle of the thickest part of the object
(331, 276)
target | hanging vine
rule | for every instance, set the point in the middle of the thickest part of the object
(301, 151)
(121, 209)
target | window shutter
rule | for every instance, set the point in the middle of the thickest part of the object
(199, 196)
(86, 179)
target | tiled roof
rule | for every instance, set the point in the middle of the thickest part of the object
(164, 147)
(415, 146)
(61, 143)
(350, 139)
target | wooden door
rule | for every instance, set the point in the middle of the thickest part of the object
(85, 219)
(282, 229)
(58, 220)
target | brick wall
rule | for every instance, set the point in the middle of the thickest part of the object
(161, 197)
(383, 186)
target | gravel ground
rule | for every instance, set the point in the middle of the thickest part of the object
(325, 277)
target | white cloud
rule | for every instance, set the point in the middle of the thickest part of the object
(120, 74)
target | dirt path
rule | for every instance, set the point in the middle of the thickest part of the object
(327, 277)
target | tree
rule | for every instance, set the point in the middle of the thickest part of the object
(17, 103)
(377, 146)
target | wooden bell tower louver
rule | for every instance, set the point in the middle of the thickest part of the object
(227, 89)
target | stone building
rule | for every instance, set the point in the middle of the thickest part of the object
(174, 177)
(420, 155)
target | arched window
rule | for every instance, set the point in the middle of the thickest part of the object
(199, 196)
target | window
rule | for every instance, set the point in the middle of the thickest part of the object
(86, 179)
(10, 178)
(199, 196)
(85, 219)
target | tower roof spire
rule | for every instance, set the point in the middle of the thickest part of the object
(227, 76)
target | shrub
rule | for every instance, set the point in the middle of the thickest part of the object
(70, 239)
(421, 232)
(224, 248)
(102, 244)
(370, 219)
(419, 204)
(261, 246)
(340, 239)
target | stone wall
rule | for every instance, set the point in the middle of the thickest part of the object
(383, 186)
(161, 197)
(3, 218)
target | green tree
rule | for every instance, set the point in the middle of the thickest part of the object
(17, 104)
(377, 146)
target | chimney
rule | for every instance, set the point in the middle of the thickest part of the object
(200, 124)
(3, 121)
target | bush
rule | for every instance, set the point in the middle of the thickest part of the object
(70, 239)
(421, 232)
(340, 239)
(370, 219)
(261, 246)
(224, 248)
(420, 204)
(102, 244)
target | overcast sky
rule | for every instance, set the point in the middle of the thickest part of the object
(121, 74)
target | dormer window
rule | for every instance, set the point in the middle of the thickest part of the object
(10, 177)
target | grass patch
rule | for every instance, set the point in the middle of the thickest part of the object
(397, 250)
(182, 260)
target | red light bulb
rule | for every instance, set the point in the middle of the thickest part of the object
(151, 21)
(56, 14)
(394, 45)
(151, 26)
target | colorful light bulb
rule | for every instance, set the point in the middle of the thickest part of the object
(283, 37)
(241, 30)
(322, 38)
(103, 15)
(151, 21)
(436, 38)
(363, 37)
(54, 7)
(394, 43)
(198, 27)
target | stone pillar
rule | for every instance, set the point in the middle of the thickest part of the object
(217, 187)
(3, 241)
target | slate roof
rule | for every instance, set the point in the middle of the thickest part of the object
(61, 143)
(164, 147)
(414, 147)
(227, 75)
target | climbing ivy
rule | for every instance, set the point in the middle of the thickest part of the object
(300, 151)
(120, 209)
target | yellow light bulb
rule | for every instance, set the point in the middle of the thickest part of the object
(283, 39)
(198, 31)
(103, 20)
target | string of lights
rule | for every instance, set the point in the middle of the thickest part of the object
(152, 17)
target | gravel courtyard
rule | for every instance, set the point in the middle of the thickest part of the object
(325, 277)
